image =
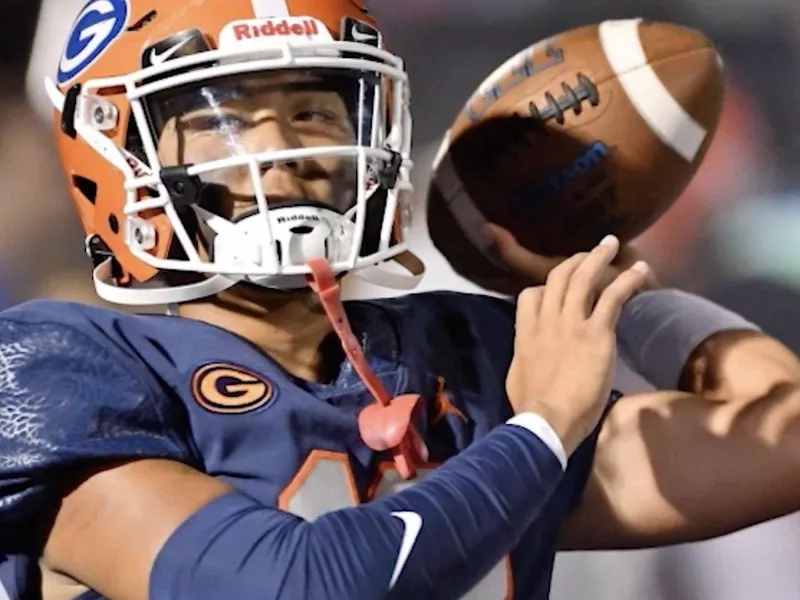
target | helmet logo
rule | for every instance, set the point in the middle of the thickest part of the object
(354, 30)
(264, 32)
(362, 37)
(157, 58)
(97, 26)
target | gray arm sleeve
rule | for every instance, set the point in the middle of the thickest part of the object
(658, 330)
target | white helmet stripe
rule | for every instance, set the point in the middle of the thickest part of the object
(270, 8)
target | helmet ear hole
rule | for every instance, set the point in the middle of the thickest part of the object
(86, 187)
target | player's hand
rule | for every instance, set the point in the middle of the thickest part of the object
(533, 268)
(565, 345)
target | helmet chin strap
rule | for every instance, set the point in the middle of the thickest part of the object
(175, 295)
(387, 424)
(325, 233)
(404, 273)
(301, 233)
(147, 296)
(298, 232)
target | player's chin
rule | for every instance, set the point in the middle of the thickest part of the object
(249, 297)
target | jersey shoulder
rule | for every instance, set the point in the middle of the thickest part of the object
(71, 397)
(446, 318)
(450, 328)
(457, 348)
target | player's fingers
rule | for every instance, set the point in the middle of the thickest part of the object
(613, 298)
(519, 259)
(588, 279)
(627, 257)
(529, 305)
(555, 289)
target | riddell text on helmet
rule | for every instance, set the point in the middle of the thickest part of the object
(283, 27)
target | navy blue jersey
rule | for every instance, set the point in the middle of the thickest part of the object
(83, 386)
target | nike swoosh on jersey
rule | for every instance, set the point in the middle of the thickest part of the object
(413, 525)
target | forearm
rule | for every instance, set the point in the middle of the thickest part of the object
(475, 506)
(675, 468)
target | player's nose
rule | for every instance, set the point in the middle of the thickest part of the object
(271, 134)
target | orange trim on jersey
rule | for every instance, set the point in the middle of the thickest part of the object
(315, 457)
(509, 579)
(381, 470)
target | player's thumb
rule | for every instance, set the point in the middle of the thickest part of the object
(522, 261)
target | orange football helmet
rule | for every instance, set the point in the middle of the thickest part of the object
(128, 63)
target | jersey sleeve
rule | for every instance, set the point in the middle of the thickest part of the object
(67, 403)
(436, 539)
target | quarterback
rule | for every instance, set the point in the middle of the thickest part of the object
(233, 159)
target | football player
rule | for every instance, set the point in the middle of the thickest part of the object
(233, 159)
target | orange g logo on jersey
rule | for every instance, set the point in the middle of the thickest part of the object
(229, 389)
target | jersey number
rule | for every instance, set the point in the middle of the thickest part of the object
(326, 483)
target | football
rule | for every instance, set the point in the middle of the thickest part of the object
(596, 130)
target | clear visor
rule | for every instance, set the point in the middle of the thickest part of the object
(304, 127)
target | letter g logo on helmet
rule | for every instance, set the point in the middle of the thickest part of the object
(96, 27)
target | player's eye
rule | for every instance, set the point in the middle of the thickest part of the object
(315, 116)
(216, 122)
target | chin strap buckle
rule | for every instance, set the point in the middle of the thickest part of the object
(387, 176)
(184, 189)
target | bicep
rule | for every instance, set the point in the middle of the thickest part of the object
(672, 467)
(110, 528)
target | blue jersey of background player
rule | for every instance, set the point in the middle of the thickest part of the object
(261, 442)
